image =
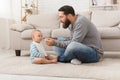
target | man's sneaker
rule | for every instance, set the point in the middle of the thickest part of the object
(76, 62)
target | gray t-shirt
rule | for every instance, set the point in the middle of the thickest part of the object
(85, 32)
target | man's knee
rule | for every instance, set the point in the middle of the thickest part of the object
(59, 50)
(74, 45)
(70, 48)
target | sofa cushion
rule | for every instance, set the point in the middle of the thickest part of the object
(44, 21)
(105, 18)
(86, 14)
(27, 33)
(106, 33)
(110, 33)
(21, 27)
(56, 33)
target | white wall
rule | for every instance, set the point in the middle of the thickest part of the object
(16, 9)
(12, 8)
(50, 6)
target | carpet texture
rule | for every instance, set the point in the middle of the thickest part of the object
(108, 69)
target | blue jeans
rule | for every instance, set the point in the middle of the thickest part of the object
(78, 51)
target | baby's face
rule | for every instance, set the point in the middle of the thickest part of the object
(37, 37)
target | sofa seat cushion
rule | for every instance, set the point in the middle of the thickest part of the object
(105, 18)
(110, 33)
(27, 33)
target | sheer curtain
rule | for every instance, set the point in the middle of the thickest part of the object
(6, 15)
(5, 8)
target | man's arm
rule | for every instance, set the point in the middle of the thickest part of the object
(79, 33)
(52, 42)
(62, 44)
(42, 61)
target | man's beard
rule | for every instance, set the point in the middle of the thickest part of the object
(66, 24)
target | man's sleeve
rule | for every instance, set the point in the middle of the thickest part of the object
(79, 34)
(62, 44)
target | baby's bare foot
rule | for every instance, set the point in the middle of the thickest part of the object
(54, 60)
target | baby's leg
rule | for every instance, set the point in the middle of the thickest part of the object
(39, 60)
(42, 61)
(51, 57)
(54, 58)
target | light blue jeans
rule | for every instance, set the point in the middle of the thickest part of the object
(78, 51)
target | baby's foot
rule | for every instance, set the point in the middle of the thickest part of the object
(54, 60)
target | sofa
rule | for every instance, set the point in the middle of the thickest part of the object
(107, 23)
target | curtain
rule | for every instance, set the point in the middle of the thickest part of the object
(5, 9)
(6, 17)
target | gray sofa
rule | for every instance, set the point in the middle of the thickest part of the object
(107, 23)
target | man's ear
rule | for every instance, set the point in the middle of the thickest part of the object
(69, 16)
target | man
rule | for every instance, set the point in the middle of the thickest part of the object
(84, 45)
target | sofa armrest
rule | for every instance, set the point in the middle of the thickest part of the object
(118, 26)
(21, 27)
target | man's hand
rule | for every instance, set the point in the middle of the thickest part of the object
(49, 41)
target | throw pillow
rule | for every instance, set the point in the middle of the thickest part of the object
(21, 27)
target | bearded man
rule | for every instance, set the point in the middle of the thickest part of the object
(84, 45)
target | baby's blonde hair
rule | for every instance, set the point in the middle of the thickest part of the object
(33, 32)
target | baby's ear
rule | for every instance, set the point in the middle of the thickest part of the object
(32, 36)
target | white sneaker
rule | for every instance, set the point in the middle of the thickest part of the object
(76, 62)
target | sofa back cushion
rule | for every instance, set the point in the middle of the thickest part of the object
(109, 33)
(56, 33)
(105, 18)
(44, 21)
(27, 33)
(86, 14)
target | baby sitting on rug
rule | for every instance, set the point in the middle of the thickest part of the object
(37, 51)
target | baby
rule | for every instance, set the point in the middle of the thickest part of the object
(37, 51)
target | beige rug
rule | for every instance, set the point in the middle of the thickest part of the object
(108, 69)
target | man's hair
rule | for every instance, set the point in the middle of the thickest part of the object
(67, 10)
